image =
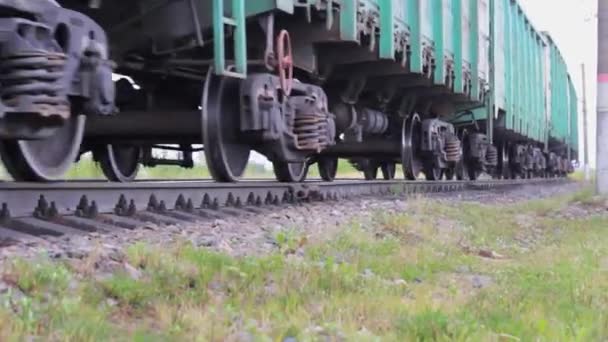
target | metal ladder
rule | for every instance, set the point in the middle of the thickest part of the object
(239, 39)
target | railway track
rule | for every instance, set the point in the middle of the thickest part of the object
(33, 209)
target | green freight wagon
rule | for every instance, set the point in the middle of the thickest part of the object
(563, 108)
(445, 88)
(534, 102)
(573, 136)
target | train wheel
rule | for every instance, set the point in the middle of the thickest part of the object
(290, 172)
(460, 170)
(370, 171)
(118, 163)
(431, 172)
(388, 170)
(521, 174)
(449, 173)
(505, 170)
(225, 154)
(328, 168)
(410, 138)
(473, 171)
(47, 159)
(513, 172)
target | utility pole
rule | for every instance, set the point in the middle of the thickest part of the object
(586, 145)
(602, 99)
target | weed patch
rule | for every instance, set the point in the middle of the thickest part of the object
(402, 277)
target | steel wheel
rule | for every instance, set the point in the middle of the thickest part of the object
(432, 173)
(225, 154)
(473, 171)
(461, 171)
(370, 172)
(449, 173)
(118, 163)
(388, 170)
(290, 172)
(328, 168)
(410, 137)
(47, 159)
(517, 173)
(505, 170)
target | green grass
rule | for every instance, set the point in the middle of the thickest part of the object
(579, 175)
(88, 169)
(402, 277)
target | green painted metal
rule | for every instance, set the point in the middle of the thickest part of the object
(474, 47)
(426, 20)
(564, 101)
(457, 44)
(387, 30)
(510, 56)
(521, 77)
(219, 51)
(393, 23)
(534, 95)
(415, 34)
(518, 72)
(531, 85)
(534, 63)
(255, 7)
(491, 101)
(530, 99)
(348, 21)
(573, 116)
(523, 91)
(539, 94)
(526, 114)
(220, 20)
(240, 37)
(542, 101)
(506, 51)
(558, 126)
(438, 38)
(496, 54)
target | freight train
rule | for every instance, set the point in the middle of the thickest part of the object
(445, 88)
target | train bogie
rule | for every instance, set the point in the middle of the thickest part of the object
(53, 71)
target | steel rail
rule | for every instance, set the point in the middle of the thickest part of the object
(77, 207)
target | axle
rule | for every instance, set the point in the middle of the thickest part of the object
(165, 125)
(376, 148)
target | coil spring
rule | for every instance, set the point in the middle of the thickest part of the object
(452, 148)
(30, 83)
(311, 131)
(492, 155)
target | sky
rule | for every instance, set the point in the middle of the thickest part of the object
(573, 26)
